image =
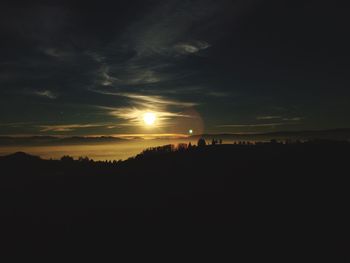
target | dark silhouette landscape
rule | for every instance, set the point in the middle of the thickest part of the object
(175, 130)
(294, 195)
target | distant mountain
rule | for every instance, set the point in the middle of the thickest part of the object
(334, 134)
(20, 157)
(78, 140)
(53, 140)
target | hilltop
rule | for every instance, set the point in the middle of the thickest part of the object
(238, 190)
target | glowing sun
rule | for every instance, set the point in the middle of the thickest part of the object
(149, 118)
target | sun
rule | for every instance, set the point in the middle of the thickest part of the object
(149, 118)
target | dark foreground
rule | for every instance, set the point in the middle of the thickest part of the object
(271, 201)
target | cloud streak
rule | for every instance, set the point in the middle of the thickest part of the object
(67, 128)
(268, 117)
(156, 100)
(150, 101)
(191, 48)
(46, 93)
(293, 119)
(253, 125)
(279, 117)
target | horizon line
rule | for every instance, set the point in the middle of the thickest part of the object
(155, 135)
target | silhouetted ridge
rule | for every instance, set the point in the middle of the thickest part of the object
(332, 134)
(288, 191)
(20, 157)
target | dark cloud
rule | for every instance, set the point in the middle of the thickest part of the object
(74, 65)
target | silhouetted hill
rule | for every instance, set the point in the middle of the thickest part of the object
(19, 157)
(289, 193)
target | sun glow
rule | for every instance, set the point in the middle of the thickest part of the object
(149, 118)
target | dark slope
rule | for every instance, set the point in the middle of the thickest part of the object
(295, 195)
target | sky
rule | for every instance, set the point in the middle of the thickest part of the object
(245, 66)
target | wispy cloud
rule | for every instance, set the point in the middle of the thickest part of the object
(141, 76)
(96, 56)
(157, 50)
(217, 94)
(254, 125)
(131, 73)
(293, 119)
(153, 41)
(105, 78)
(150, 101)
(55, 52)
(168, 26)
(141, 104)
(15, 124)
(191, 47)
(272, 117)
(46, 93)
(269, 117)
(66, 128)
(155, 99)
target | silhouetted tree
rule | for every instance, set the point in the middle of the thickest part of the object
(83, 159)
(67, 158)
(201, 142)
(181, 146)
(158, 150)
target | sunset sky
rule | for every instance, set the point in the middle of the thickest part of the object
(167, 67)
